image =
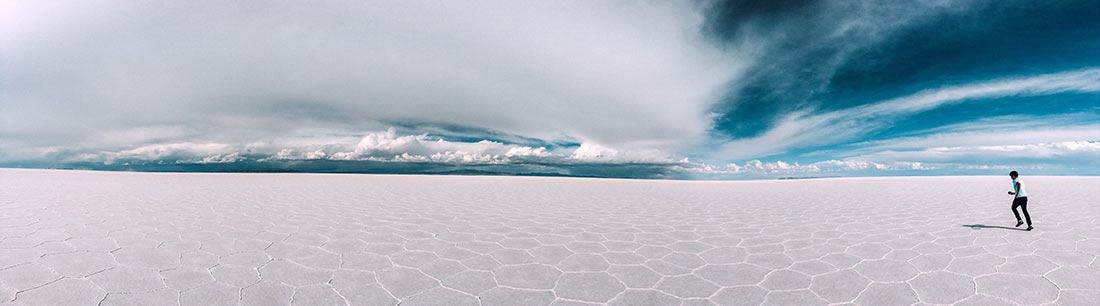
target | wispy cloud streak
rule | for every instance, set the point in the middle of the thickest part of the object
(807, 128)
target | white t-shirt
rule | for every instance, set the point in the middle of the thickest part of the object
(1023, 191)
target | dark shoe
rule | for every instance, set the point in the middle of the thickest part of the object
(1029, 228)
(1018, 223)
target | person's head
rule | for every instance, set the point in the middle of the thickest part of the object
(1014, 174)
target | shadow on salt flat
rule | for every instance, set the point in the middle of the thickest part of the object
(981, 226)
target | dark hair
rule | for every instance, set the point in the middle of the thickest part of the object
(1013, 173)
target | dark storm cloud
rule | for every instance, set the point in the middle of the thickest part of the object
(85, 76)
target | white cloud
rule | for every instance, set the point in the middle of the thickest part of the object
(526, 152)
(1077, 150)
(881, 157)
(221, 158)
(197, 152)
(592, 152)
(781, 168)
(290, 154)
(997, 134)
(1015, 139)
(1086, 80)
(388, 146)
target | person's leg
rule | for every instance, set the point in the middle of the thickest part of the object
(1016, 203)
(1023, 206)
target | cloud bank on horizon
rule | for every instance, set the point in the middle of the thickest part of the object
(691, 89)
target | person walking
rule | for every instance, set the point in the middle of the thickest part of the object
(1020, 199)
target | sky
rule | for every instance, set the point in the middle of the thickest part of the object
(631, 89)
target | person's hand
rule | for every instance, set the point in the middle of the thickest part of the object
(1010, 192)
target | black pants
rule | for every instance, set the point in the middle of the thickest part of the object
(1022, 203)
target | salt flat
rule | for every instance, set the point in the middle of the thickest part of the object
(112, 238)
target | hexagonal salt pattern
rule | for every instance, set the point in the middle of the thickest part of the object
(102, 238)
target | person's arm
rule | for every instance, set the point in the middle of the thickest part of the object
(1017, 191)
